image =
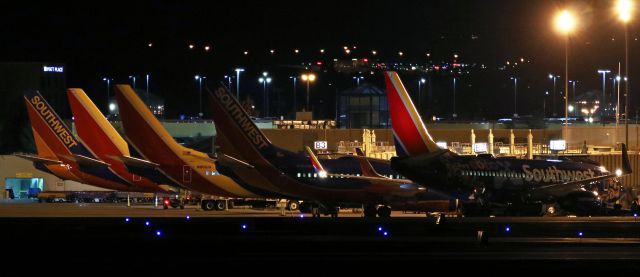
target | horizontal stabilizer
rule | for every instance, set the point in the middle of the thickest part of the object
(37, 159)
(135, 162)
(86, 161)
(234, 162)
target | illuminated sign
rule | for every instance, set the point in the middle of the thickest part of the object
(53, 68)
(442, 144)
(320, 145)
(480, 147)
(558, 145)
(24, 175)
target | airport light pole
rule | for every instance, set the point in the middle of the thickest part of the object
(228, 77)
(553, 96)
(295, 88)
(108, 80)
(265, 79)
(515, 96)
(238, 70)
(308, 78)
(602, 105)
(454, 97)
(147, 86)
(199, 79)
(573, 82)
(358, 78)
(420, 82)
(134, 81)
(565, 24)
(624, 9)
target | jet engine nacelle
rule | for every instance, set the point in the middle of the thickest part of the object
(580, 203)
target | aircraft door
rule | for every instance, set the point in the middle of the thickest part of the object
(186, 174)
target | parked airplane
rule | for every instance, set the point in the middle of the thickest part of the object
(190, 168)
(102, 138)
(487, 183)
(293, 174)
(61, 154)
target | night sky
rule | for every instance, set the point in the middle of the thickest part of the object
(112, 39)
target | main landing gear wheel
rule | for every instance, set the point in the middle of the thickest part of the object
(292, 205)
(384, 211)
(221, 205)
(208, 205)
(370, 211)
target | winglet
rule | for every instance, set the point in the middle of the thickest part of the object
(409, 132)
(365, 166)
(316, 163)
(626, 165)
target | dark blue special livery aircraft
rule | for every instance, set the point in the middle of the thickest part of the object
(488, 183)
(249, 152)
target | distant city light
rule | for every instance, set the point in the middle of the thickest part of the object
(191, 46)
(207, 48)
(150, 44)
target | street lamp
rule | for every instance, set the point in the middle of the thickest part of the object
(199, 79)
(295, 102)
(238, 70)
(454, 97)
(604, 73)
(265, 79)
(420, 82)
(565, 24)
(573, 82)
(358, 78)
(108, 80)
(134, 81)
(308, 78)
(553, 96)
(515, 96)
(147, 86)
(228, 77)
(624, 9)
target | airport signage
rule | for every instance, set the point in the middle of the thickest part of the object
(53, 69)
(24, 175)
(558, 145)
(320, 145)
(480, 147)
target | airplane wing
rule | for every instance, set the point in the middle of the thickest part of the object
(566, 187)
(37, 159)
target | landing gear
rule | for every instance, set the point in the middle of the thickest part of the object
(384, 211)
(221, 205)
(293, 205)
(370, 211)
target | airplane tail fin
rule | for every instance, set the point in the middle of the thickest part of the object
(93, 128)
(365, 166)
(238, 127)
(317, 166)
(409, 132)
(49, 129)
(143, 130)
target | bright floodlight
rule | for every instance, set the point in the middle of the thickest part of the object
(260, 79)
(624, 9)
(322, 174)
(268, 79)
(618, 172)
(312, 77)
(112, 107)
(422, 80)
(565, 22)
(197, 77)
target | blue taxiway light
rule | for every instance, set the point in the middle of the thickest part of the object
(507, 229)
(580, 234)
(158, 233)
(379, 229)
(188, 217)
(147, 223)
(301, 215)
(126, 219)
(385, 234)
(635, 215)
(244, 226)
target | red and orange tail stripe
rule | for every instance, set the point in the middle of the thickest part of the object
(410, 133)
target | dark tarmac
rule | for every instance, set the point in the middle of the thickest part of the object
(253, 240)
